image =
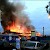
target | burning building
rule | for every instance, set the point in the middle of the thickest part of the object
(14, 19)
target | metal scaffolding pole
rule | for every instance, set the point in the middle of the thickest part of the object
(43, 31)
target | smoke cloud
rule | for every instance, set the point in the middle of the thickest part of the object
(14, 13)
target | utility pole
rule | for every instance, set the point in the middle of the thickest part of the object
(0, 15)
(43, 31)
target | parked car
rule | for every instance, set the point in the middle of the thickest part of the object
(32, 45)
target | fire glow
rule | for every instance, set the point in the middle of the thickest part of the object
(38, 34)
(15, 19)
(18, 28)
(48, 16)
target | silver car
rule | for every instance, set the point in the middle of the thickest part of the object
(32, 45)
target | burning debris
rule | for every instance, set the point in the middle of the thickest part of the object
(14, 19)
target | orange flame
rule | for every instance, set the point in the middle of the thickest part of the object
(18, 28)
(38, 34)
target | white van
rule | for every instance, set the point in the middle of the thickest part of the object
(30, 45)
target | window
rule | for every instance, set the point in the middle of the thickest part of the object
(38, 44)
(30, 44)
(10, 37)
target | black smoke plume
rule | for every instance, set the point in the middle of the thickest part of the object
(10, 14)
(6, 16)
